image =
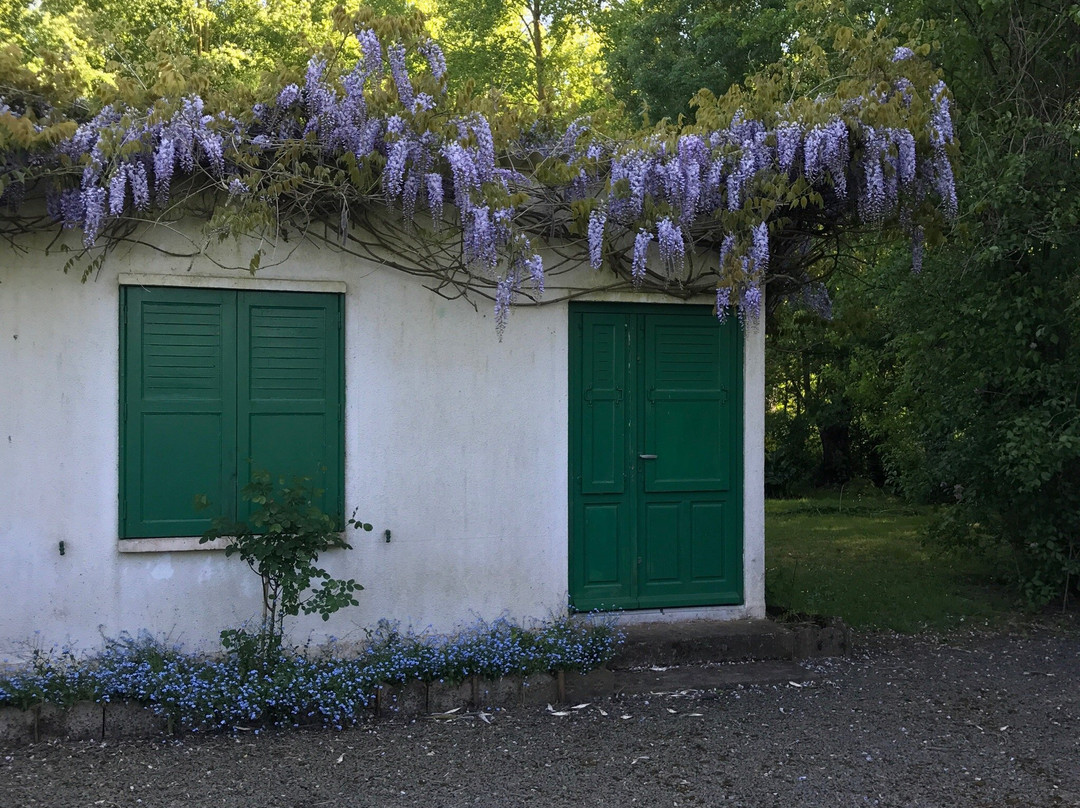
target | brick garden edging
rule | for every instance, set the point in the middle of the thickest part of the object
(89, 721)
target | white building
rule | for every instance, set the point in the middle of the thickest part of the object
(606, 452)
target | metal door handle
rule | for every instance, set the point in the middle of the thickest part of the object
(647, 456)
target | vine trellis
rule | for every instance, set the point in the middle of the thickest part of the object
(381, 162)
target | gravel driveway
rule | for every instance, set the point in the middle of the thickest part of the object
(969, 720)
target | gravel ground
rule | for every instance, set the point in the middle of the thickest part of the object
(967, 720)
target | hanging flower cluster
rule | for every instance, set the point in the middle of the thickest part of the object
(711, 181)
(386, 132)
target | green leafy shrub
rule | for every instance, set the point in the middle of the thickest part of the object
(789, 457)
(281, 544)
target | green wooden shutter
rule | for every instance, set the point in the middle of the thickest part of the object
(290, 386)
(178, 408)
(216, 384)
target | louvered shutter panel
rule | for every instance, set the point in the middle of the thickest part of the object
(688, 420)
(178, 409)
(290, 387)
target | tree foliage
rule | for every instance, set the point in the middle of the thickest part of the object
(995, 413)
(543, 52)
(968, 373)
(660, 53)
(143, 49)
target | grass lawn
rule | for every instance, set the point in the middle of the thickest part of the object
(861, 557)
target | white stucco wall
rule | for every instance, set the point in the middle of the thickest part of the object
(455, 442)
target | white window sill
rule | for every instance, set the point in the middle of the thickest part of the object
(179, 544)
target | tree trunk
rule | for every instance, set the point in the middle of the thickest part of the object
(537, 35)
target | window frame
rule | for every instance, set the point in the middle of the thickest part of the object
(138, 544)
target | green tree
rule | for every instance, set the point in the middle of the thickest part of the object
(983, 348)
(542, 51)
(659, 53)
(153, 48)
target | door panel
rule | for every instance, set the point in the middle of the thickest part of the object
(687, 423)
(707, 539)
(656, 457)
(603, 535)
(661, 534)
(602, 567)
(603, 414)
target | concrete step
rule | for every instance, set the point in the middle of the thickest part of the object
(698, 642)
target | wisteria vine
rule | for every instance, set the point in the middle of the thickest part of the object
(752, 194)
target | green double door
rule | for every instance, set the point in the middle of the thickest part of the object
(655, 457)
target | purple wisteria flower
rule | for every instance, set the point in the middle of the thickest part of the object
(394, 173)
(505, 290)
(788, 139)
(906, 156)
(140, 187)
(873, 197)
(317, 98)
(723, 301)
(164, 161)
(941, 126)
(568, 142)
(750, 304)
(288, 96)
(434, 186)
(396, 55)
(670, 241)
(212, 148)
(371, 55)
(641, 247)
(409, 192)
(481, 240)
(906, 90)
(655, 188)
(534, 265)
(117, 191)
(93, 214)
(485, 147)
(435, 59)
(463, 173)
(902, 53)
(597, 221)
(72, 208)
(759, 248)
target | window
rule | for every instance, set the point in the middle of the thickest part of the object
(215, 384)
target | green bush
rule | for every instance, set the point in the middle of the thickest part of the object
(281, 544)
